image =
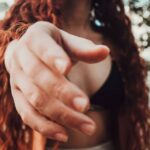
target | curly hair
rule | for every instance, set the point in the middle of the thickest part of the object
(133, 120)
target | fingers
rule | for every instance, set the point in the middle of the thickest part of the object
(71, 95)
(54, 85)
(35, 120)
(79, 48)
(34, 95)
(83, 49)
(48, 50)
(58, 44)
(71, 119)
(51, 108)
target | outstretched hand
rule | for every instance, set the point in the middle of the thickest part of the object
(38, 64)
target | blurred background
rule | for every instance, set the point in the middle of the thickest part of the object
(137, 10)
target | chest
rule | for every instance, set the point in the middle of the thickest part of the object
(90, 77)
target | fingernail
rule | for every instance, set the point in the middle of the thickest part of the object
(60, 65)
(61, 137)
(106, 48)
(80, 104)
(87, 129)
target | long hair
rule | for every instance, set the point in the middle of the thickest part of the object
(133, 116)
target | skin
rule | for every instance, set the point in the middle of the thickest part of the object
(45, 99)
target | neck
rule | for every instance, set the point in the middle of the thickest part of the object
(75, 14)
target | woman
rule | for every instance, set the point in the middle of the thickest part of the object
(123, 94)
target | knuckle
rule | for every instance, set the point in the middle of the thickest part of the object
(59, 89)
(48, 55)
(28, 37)
(36, 98)
(46, 26)
(68, 68)
(38, 27)
(44, 130)
(33, 69)
(59, 114)
(64, 115)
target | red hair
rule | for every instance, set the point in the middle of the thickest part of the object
(133, 115)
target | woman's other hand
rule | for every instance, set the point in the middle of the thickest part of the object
(38, 64)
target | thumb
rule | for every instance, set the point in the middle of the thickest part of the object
(83, 49)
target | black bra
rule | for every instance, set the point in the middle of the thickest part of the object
(111, 94)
